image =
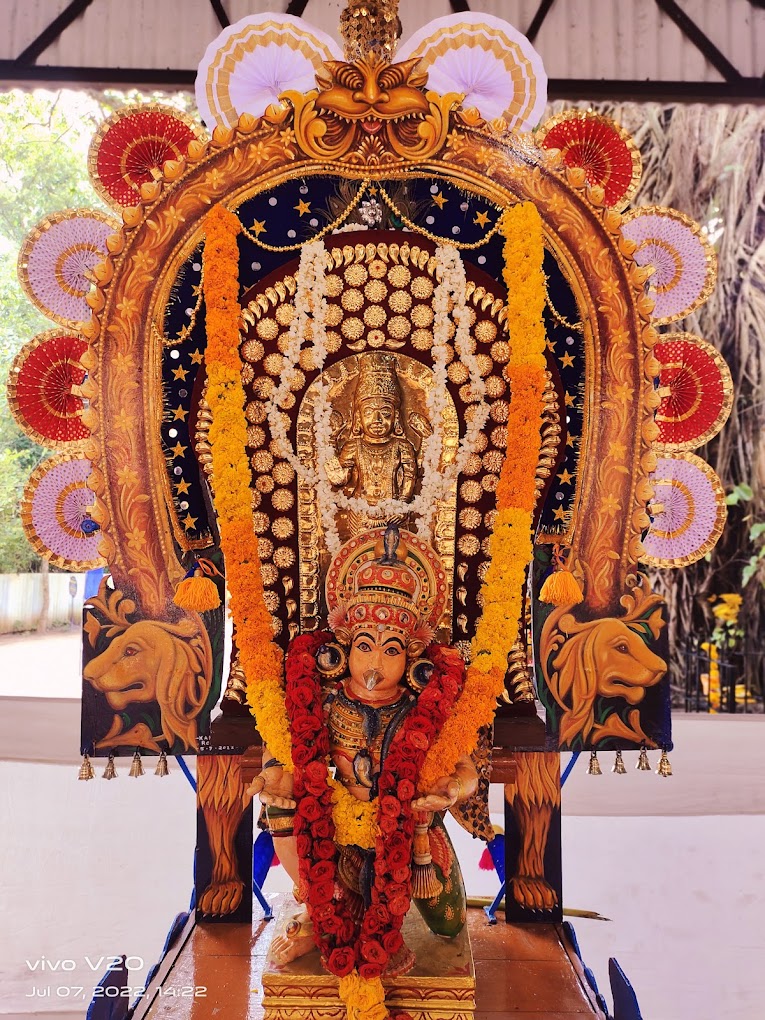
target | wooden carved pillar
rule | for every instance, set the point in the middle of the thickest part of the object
(533, 839)
(223, 872)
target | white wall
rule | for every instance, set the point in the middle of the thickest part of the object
(21, 599)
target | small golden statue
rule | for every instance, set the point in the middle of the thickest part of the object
(377, 462)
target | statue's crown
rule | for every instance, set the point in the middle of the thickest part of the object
(384, 578)
(389, 575)
(378, 378)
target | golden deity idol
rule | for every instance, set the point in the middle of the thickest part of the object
(376, 462)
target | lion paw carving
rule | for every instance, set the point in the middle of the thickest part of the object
(221, 898)
(533, 892)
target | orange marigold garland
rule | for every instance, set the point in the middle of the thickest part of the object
(512, 540)
(261, 658)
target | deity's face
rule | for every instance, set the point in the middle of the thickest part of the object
(378, 417)
(377, 660)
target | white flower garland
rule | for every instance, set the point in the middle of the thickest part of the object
(310, 297)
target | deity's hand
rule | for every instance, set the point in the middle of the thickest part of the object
(444, 794)
(274, 784)
(335, 472)
(450, 790)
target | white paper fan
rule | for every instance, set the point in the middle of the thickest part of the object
(249, 65)
(495, 67)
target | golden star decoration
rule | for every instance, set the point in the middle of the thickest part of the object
(560, 513)
(481, 219)
(570, 440)
(182, 487)
(550, 345)
(565, 477)
(258, 227)
(302, 207)
(178, 450)
(188, 522)
(440, 200)
(180, 413)
(569, 400)
(180, 374)
(567, 361)
(196, 358)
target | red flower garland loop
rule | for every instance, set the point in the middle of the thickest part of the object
(345, 944)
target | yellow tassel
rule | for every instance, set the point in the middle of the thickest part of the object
(561, 589)
(197, 594)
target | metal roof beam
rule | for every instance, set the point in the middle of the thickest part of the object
(702, 42)
(742, 90)
(220, 13)
(538, 20)
(49, 35)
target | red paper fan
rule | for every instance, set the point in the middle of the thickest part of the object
(696, 390)
(132, 146)
(43, 388)
(600, 147)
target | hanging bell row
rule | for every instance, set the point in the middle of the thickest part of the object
(643, 764)
(136, 767)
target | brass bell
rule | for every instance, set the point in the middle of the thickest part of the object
(643, 764)
(136, 767)
(110, 772)
(664, 768)
(619, 767)
(162, 769)
(594, 769)
(86, 769)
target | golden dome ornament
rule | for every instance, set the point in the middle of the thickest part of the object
(86, 769)
(110, 772)
(594, 769)
(643, 763)
(619, 766)
(664, 767)
(136, 767)
(370, 27)
(162, 767)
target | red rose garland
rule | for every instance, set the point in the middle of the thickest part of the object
(344, 944)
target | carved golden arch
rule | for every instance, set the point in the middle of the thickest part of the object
(124, 361)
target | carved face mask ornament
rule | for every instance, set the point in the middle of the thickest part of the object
(369, 99)
(372, 91)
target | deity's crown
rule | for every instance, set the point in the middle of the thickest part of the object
(378, 580)
(388, 576)
(378, 378)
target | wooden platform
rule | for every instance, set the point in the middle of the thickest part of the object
(440, 986)
(527, 972)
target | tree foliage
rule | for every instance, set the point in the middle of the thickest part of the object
(43, 169)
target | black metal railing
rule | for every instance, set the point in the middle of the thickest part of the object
(723, 679)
